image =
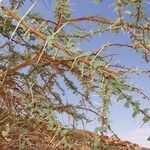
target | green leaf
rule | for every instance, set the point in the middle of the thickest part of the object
(136, 111)
(146, 110)
(127, 104)
(28, 103)
(22, 146)
(64, 132)
(81, 116)
(27, 36)
(24, 130)
(96, 145)
(137, 104)
(128, 12)
(57, 96)
(146, 119)
(28, 141)
(100, 129)
(120, 97)
(129, 98)
(96, 64)
(50, 125)
(66, 144)
(34, 126)
(97, 1)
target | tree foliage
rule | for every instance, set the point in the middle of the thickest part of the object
(41, 60)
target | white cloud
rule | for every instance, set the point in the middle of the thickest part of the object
(138, 136)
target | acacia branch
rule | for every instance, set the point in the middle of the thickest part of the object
(11, 71)
(106, 22)
(101, 69)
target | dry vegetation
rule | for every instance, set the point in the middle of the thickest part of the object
(32, 134)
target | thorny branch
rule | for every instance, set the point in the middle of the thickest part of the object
(60, 65)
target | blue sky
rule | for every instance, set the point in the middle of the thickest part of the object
(122, 122)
